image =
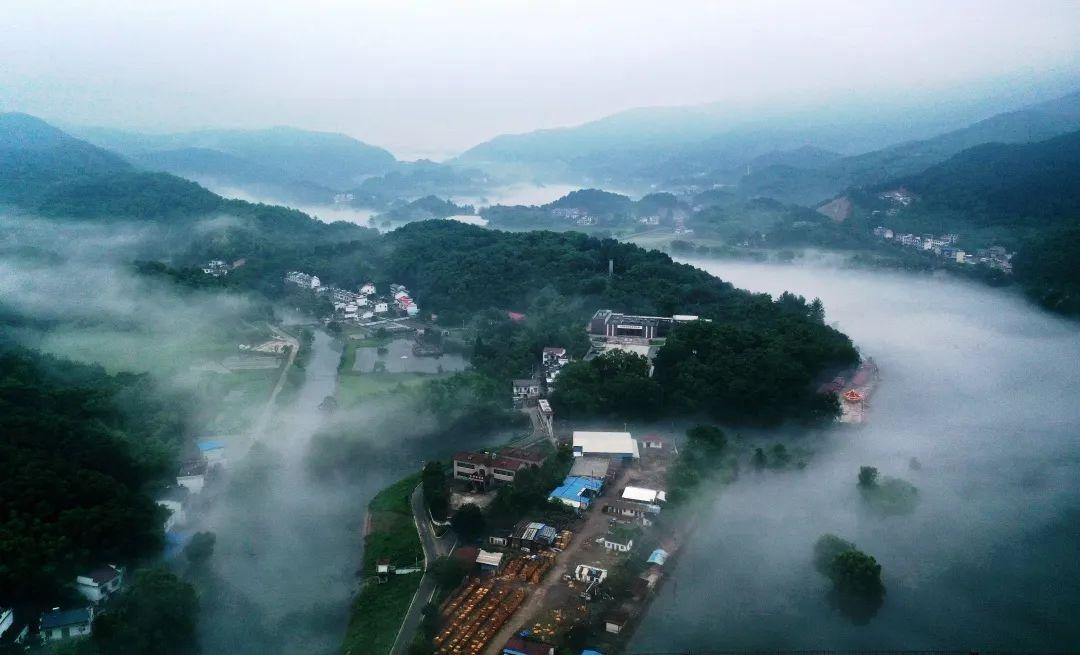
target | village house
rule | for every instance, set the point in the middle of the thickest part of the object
(381, 308)
(303, 280)
(634, 511)
(552, 360)
(174, 500)
(58, 624)
(192, 475)
(483, 469)
(525, 391)
(97, 585)
(216, 268)
(368, 289)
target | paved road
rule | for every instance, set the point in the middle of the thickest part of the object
(259, 427)
(434, 547)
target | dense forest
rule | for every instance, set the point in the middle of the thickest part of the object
(80, 450)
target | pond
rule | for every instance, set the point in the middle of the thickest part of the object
(397, 357)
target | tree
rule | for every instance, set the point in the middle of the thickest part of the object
(857, 590)
(200, 548)
(760, 461)
(448, 573)
(826, 549)
(434, 484)
(156, 616)
(868, 477)
(468, 522)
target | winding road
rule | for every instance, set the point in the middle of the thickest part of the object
(434, 547)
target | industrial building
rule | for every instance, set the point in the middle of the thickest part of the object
(577, 492)
(532, 535)
(616, 446)
(607, 323)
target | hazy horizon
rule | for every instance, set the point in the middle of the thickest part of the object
(435, 80)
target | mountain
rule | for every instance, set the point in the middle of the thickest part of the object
(812, 184)
(1036, 183)
(711, 144)
(327, 159)
(216, 169)
(48, 173)
(34, 155)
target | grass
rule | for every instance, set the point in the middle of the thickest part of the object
(353, 388)
(379, 608)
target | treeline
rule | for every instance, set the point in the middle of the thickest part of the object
(80, 450)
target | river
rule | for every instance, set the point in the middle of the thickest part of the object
(983, 390)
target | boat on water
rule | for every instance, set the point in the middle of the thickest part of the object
(855, 393)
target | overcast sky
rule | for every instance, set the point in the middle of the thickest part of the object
(436, 77)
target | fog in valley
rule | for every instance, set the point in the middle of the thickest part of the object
(288, 516)
(977, 408)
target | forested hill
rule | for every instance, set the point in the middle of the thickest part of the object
(1037, 183)
(756, 361)
(1026, 196)
(79, 449)
(326, 159)
(48, 173)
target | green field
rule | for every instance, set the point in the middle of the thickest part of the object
(379, 608)
(355, 387)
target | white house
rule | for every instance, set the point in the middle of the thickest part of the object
(58, 624)
(381, 308)
(174, 500)
(368, 289)
(99, 584)
(192, 475)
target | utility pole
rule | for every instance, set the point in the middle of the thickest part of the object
(610, 267)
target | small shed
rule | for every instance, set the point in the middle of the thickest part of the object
(616, 621)
(489, 561)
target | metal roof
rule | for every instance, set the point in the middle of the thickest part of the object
(62, 618)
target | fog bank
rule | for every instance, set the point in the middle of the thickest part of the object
(980, 388)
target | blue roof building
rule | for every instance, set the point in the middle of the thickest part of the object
(577, 491)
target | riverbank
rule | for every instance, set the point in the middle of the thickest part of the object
(380, 606)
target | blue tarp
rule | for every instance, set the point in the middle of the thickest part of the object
(576, 489)
(659, 556)
(209, 444)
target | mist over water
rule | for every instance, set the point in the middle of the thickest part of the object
(977, 385)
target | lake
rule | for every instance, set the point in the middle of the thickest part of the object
(981, 389)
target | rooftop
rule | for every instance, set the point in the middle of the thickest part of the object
(605, 442)
(590, 467)
(576, 489)
(61, 618)
(209, 444)
(641, 494)
(102, 574)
